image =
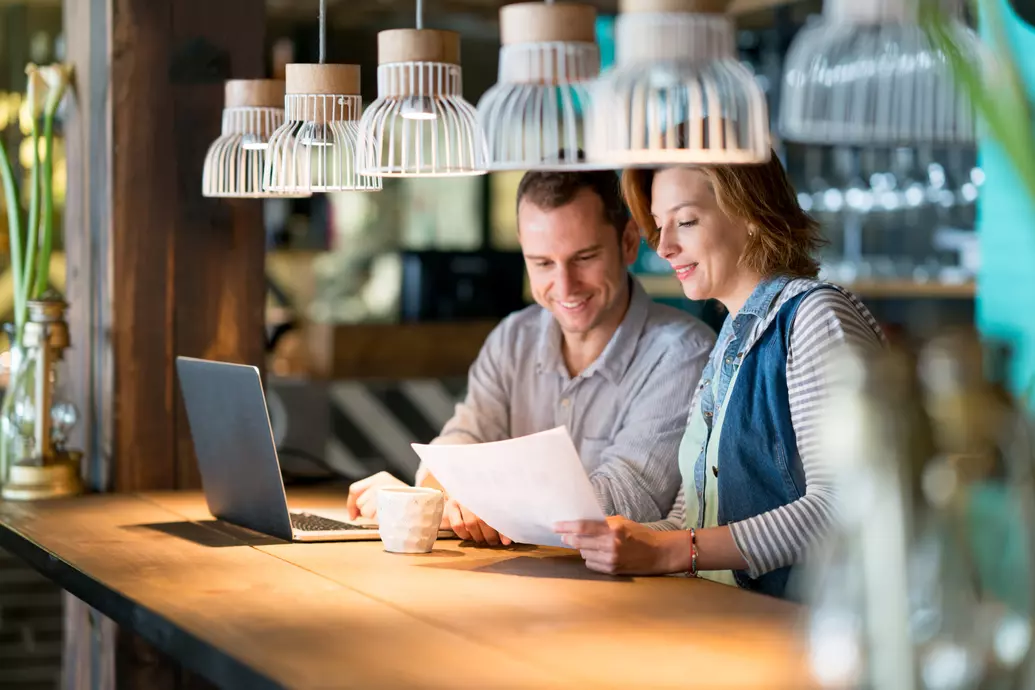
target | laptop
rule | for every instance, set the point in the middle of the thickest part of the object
(237, 457)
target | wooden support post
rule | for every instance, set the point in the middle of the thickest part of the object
(154, 269)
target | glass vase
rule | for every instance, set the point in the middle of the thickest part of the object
(18, 409)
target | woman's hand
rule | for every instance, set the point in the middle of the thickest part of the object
(620, 546)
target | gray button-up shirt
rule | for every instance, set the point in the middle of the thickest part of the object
(626, 412)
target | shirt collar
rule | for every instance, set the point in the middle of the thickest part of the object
(618, 352)
(764, 296)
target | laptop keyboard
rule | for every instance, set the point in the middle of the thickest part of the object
(314, 523)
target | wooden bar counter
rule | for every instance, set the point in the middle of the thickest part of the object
(249, 611)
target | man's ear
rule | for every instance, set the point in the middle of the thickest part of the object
(630, 241)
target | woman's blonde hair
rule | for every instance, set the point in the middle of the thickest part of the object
(783, 237)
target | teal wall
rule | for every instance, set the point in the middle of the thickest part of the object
(1006, 230)
(606, 40)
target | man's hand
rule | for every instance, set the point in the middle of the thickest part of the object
(469, 527)
(363, 494)
(618, 546)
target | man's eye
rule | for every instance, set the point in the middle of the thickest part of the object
(542, 264)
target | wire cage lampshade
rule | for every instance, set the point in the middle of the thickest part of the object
(867, 74)
(420, 124)
(234, 164)
(315, 149)
(534, 116)
(677, 94)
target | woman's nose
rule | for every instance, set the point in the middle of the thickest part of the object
(668, 247)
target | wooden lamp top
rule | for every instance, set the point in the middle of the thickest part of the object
(538, 22)
(254, 93)
(654, 6)
(418, 45)
(337, 80)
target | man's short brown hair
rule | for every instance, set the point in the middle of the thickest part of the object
(551, 190)
(784, 238)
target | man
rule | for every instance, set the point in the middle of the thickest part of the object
(596, 355)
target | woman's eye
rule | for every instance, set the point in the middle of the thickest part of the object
(687, 223)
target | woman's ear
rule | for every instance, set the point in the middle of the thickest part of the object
(752, 234)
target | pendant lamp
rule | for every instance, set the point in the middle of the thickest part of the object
(233, 167)
(420, 125)
(677, 94)
(315, 149)
(866, 74)
(534, 116)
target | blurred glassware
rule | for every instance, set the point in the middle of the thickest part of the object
(878, 205)
(929, 579)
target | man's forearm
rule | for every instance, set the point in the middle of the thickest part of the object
(621, 494)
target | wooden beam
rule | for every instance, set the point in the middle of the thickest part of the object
(219, 246)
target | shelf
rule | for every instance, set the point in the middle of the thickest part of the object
(667, 286)
(394, 350)
(906, 289)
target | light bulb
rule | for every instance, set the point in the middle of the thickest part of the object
(250, 142)
(315, 134)
(418, 108)
(63, 418)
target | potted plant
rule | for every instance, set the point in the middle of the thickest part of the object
(31, 235)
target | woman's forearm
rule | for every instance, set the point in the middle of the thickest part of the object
(716, 550)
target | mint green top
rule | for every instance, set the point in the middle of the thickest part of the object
(689, 450)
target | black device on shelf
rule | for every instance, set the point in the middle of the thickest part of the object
(458, 286)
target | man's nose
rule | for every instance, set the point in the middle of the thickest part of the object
(567, 281)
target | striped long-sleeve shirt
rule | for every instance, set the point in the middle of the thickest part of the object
(825, 320)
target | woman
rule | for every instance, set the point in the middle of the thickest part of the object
(756, 495)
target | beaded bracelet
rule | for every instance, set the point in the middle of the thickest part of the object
(693, 552)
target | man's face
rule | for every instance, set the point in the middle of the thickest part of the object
(577, 264)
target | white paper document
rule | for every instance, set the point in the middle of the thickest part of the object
(519, 487)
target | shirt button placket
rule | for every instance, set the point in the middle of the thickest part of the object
(564, 414)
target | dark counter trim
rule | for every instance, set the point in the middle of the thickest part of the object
(193, 653)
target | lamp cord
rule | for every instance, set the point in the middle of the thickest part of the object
(323, 31)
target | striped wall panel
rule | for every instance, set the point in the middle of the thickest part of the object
(359, 427)
(373, 424)
(31, 619)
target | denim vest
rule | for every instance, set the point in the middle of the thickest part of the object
(760, 467)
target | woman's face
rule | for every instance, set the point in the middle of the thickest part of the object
(702, 243)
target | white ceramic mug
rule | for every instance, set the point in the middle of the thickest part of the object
(408, 518)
